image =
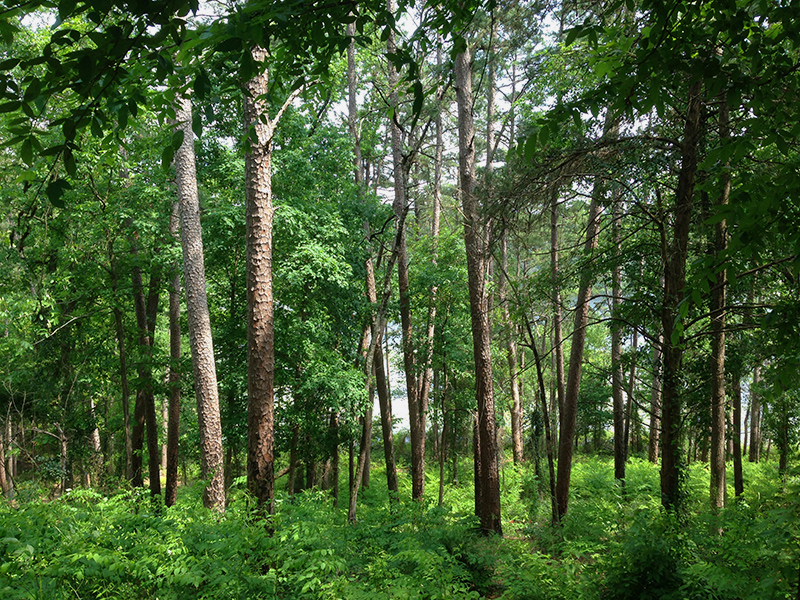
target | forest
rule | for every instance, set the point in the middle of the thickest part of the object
(400, 300)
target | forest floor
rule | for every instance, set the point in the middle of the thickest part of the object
(615, 543)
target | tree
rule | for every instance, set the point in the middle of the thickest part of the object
(200, 340)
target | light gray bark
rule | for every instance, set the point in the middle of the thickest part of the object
(200, 341)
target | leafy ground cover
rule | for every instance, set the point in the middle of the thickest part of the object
(615, 544)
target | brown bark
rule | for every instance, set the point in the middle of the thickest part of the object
(260, 303)
(569, 410)
(416, 391)
(260, 308)
(174, 402)
(477, 265)
(674, 257)
(200, 341)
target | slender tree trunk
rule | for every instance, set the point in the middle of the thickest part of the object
(655, 403)
(334, 428)
(738, 480)
(416, 409)
(386, 423)
(5, 479)
(674, 258)
(569, 411)
(558, 346)
(511, 356)
(718, 314)
(200, 341)
(616, 351)
(174, 403)
(145, 411)
(443, 444)
(755, 417)
(477, 266)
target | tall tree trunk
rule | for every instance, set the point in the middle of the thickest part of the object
(718, 314)
(385, 403)
(260, 130)
(738, 480)
(174, 403)
(334, 428)
(674, 257)
(511, 356)
(145, 410)
(558, 346)
(755, 417)
(5, 479)
(477, 263)
(569, 411)
(200, 341)
(653, 446)
(616, 350)
(417, 397)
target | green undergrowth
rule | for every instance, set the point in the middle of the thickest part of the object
(615, 544)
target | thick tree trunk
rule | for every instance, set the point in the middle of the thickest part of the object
(674, 257)
(260, 304)
(477, 262)
(200, 341)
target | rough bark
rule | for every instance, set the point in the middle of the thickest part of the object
(260, 307)
(200, 341)
(674, 256)
(174, 402)
(477, 262)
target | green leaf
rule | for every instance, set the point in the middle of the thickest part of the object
(197, 123)
(55, 192)
(419, 98)
(8, 107)
(26, 151)
(572, 34)
(167, 156)
(69, 163)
